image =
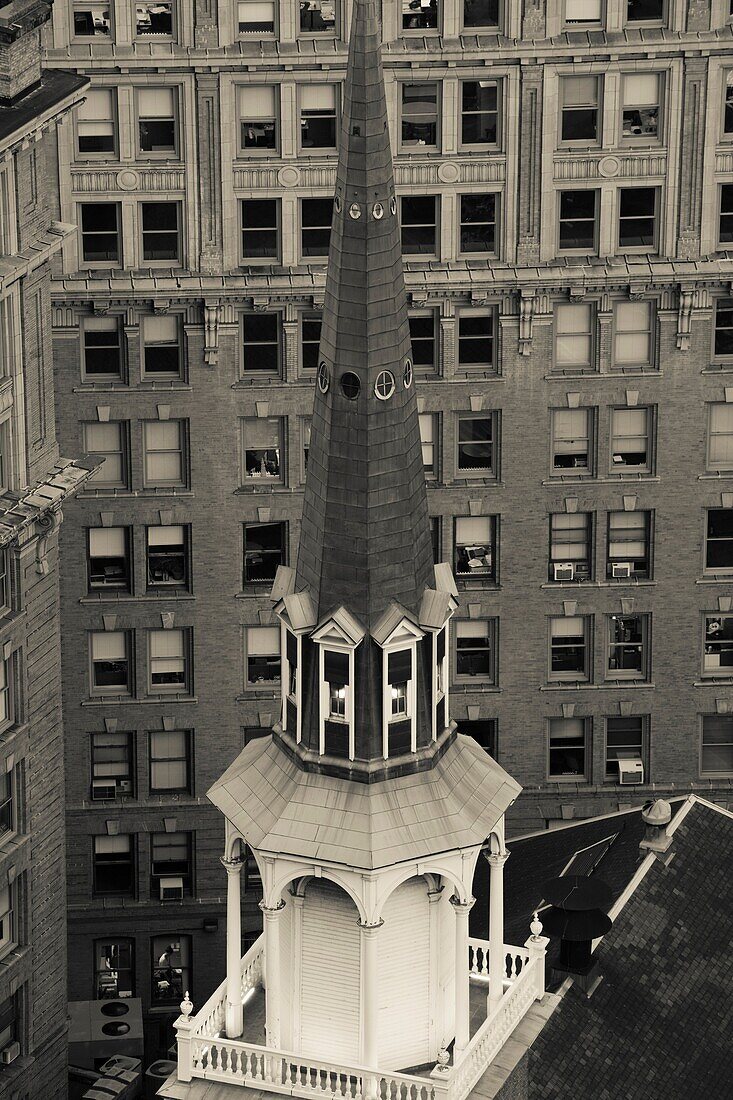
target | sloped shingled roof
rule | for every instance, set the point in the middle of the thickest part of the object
(660, 1024)
(279, 808)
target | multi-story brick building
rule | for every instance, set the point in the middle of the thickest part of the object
(34, 483)
(565, 172)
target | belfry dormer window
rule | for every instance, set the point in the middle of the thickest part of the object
(337, 703)
(337, 700)
(399, 702)
(398, 695)
(291, 717)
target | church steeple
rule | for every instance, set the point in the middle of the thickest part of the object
(365, 537)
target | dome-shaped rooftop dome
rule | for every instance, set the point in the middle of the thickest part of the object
(657, 812)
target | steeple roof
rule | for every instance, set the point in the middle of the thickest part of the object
(365, 538)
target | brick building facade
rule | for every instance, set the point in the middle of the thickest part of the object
(565, 175)
(34, 483)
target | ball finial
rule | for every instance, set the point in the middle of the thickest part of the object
(536, 926)
(186, 1006)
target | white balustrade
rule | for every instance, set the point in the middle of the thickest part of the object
(478, 959)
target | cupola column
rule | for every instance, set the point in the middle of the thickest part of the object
(497, 962)
(272, 971)
(233, 1021)
(461, 909)
(370, 1001)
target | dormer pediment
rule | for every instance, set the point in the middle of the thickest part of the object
(339, 628)
(297, 612)
(395, 626)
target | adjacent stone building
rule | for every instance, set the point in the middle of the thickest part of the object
(34, 483)
(564, 174)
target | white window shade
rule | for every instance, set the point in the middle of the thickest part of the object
(633, 333)
(106, 845)
(100, 324)
(256, 11)
(164, 435)
(473, 529)
(573, 335)
(426, 427)
(156, 103)
(160, 330)
(570, 627)
(256, 102)
(263, 641)
(109, 646)
(97, 107)
(641, 90)
(318, 97)
(567, 729)
(629, 424)
(571, 426)
(166, 644)
(165, 536)
(580, 91)
(107, 542)
(583, 11)
(102, 437)
(474, 629)
(261, 434)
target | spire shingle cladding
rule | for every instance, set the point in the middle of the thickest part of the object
(365, 537)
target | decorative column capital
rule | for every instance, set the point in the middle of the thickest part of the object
(232, 866)
(498, 859)
(271, 912)
(462, 908)
(369, 928)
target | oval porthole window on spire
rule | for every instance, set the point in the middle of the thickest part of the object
(378, 211)
(385, 385)
(407, 375)
(323, 377)
(355, 211)
(350, 385)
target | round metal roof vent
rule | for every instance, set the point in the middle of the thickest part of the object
(657, 812)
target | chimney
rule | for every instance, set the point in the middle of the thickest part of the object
(656, 815)
(577, 916)
(20, 46)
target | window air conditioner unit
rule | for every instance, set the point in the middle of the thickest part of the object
(10, 1053)
(171, 889)
(564, 571)
(630, 772)
(103, 788)
(621, 569)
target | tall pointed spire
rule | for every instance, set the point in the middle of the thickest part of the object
(365, 538)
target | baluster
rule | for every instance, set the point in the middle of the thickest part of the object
(485, 962)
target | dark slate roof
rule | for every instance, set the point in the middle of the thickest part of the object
(660, 1024)
(54, 87)
(365, 537)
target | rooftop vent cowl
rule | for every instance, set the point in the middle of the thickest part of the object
(656, 815)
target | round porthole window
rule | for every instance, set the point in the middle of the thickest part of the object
(393, 205)
(407, 376)
(355, 211)
(337, 203)
(323, 377)
(384, 386)
(378, 211)
(350, 385)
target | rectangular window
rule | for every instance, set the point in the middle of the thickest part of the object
(629, 546)
(483, 732)
(479, 112)
(637, 217)
(161, 233)
(8, 935)
(571, 546)
(478, 223)
(436, 539)
(419, 16)
(170, 858)
(728, 104)
(580, 14)
(476, 343)
(95, 127)
(717, 745)
(717, 658)
(719, 540)
(475, 447)
(475, 547)
(572, 441)
(569, 747)
(578, 218)
(154, 20)
(645, 11)
(100, 232)
(91, 20)
(6, 587)
(114, 866)
(642, 99)
(419, 225)
(256, 17)
(726, 213)
(263, 654)
(627, 647)
(108, 441)
(112, 765)
(315, 227)
(260, 229)
(318, 116)
(720, 437)
(419, 115)
(265, 549)
(171, 964)
(162, 359)
(7, 809)
(164, 447)
(102, 349)
(258, 117)
(631, 449)
(570, 649)
(305, 435)
(113, 969)
(169, 653)
(723, 345)
(632, 335)
(475, 651)
(262, 450)
(423, 339)
(6, 455)
(109, 558)
(624, 741)
(261, 343)
(170, 761)
(318, 17)
(111, 666)
(580, 97)
(167, 556)
(7, 701)
(310, 338)
(574, 328)
(429, 440)
(481, 13)
(156, 120)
